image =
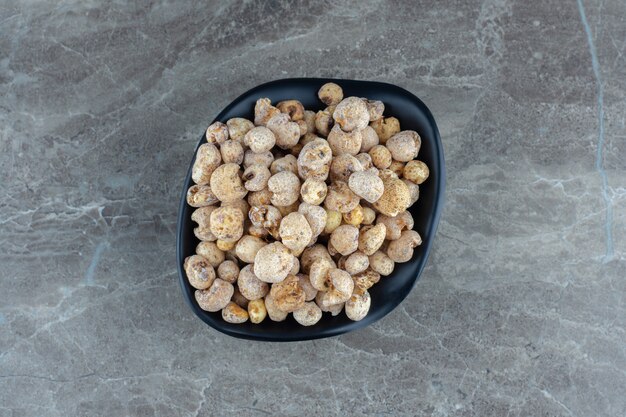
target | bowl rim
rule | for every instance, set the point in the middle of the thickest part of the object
(439, 201)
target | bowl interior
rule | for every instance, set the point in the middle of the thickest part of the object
(391, 290)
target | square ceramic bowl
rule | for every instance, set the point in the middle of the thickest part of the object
(390, 291)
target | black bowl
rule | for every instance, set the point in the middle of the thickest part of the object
(391, 290)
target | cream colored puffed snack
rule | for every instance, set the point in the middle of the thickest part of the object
(285, 188)
(232, 152)
(267, 217)
(344, 142)
(313, 191)
(401, 250)
(312, 254)
(343, 166)
(288, 295)
(256, 177)
(260, 198)
(233, 313)
(394, 225)
(315, 217)
(371, 238)
(202, 216)
(345, 239)
(416, 172)
(259, 139)
(264, 111)
(273, 262)
(334, 309)
(366, 279)
(216, 297)
(295, 232)
(333, 221)
(313, 157)
(226, 183)
(286, 132)
(302, 212)
(358, 305)
(309, 290)
(376, 108)
(366, 185)
(381, 263)
(247, 247)
(308, 315)
(201, 196)
(340, 288)
(250, 286)
(330, 94)
(341, 198)
(395, 199)
(228, 271)
(217, 133)
(381, 157)
(210, 252)
(238, 127)
(404, 145)
(351, 114)
(285, 163)
(208, 159)
(257, 311)
(200, 272)
(293, 108)
(264, 158)
(227, 224)
(386, 128)
(272, 309)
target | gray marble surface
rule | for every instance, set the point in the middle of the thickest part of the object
(520, 311)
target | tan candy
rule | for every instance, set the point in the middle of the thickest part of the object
(366, 185)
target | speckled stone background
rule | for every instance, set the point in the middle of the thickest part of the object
(520, 311)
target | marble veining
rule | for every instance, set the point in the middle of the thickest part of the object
(520, 311)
